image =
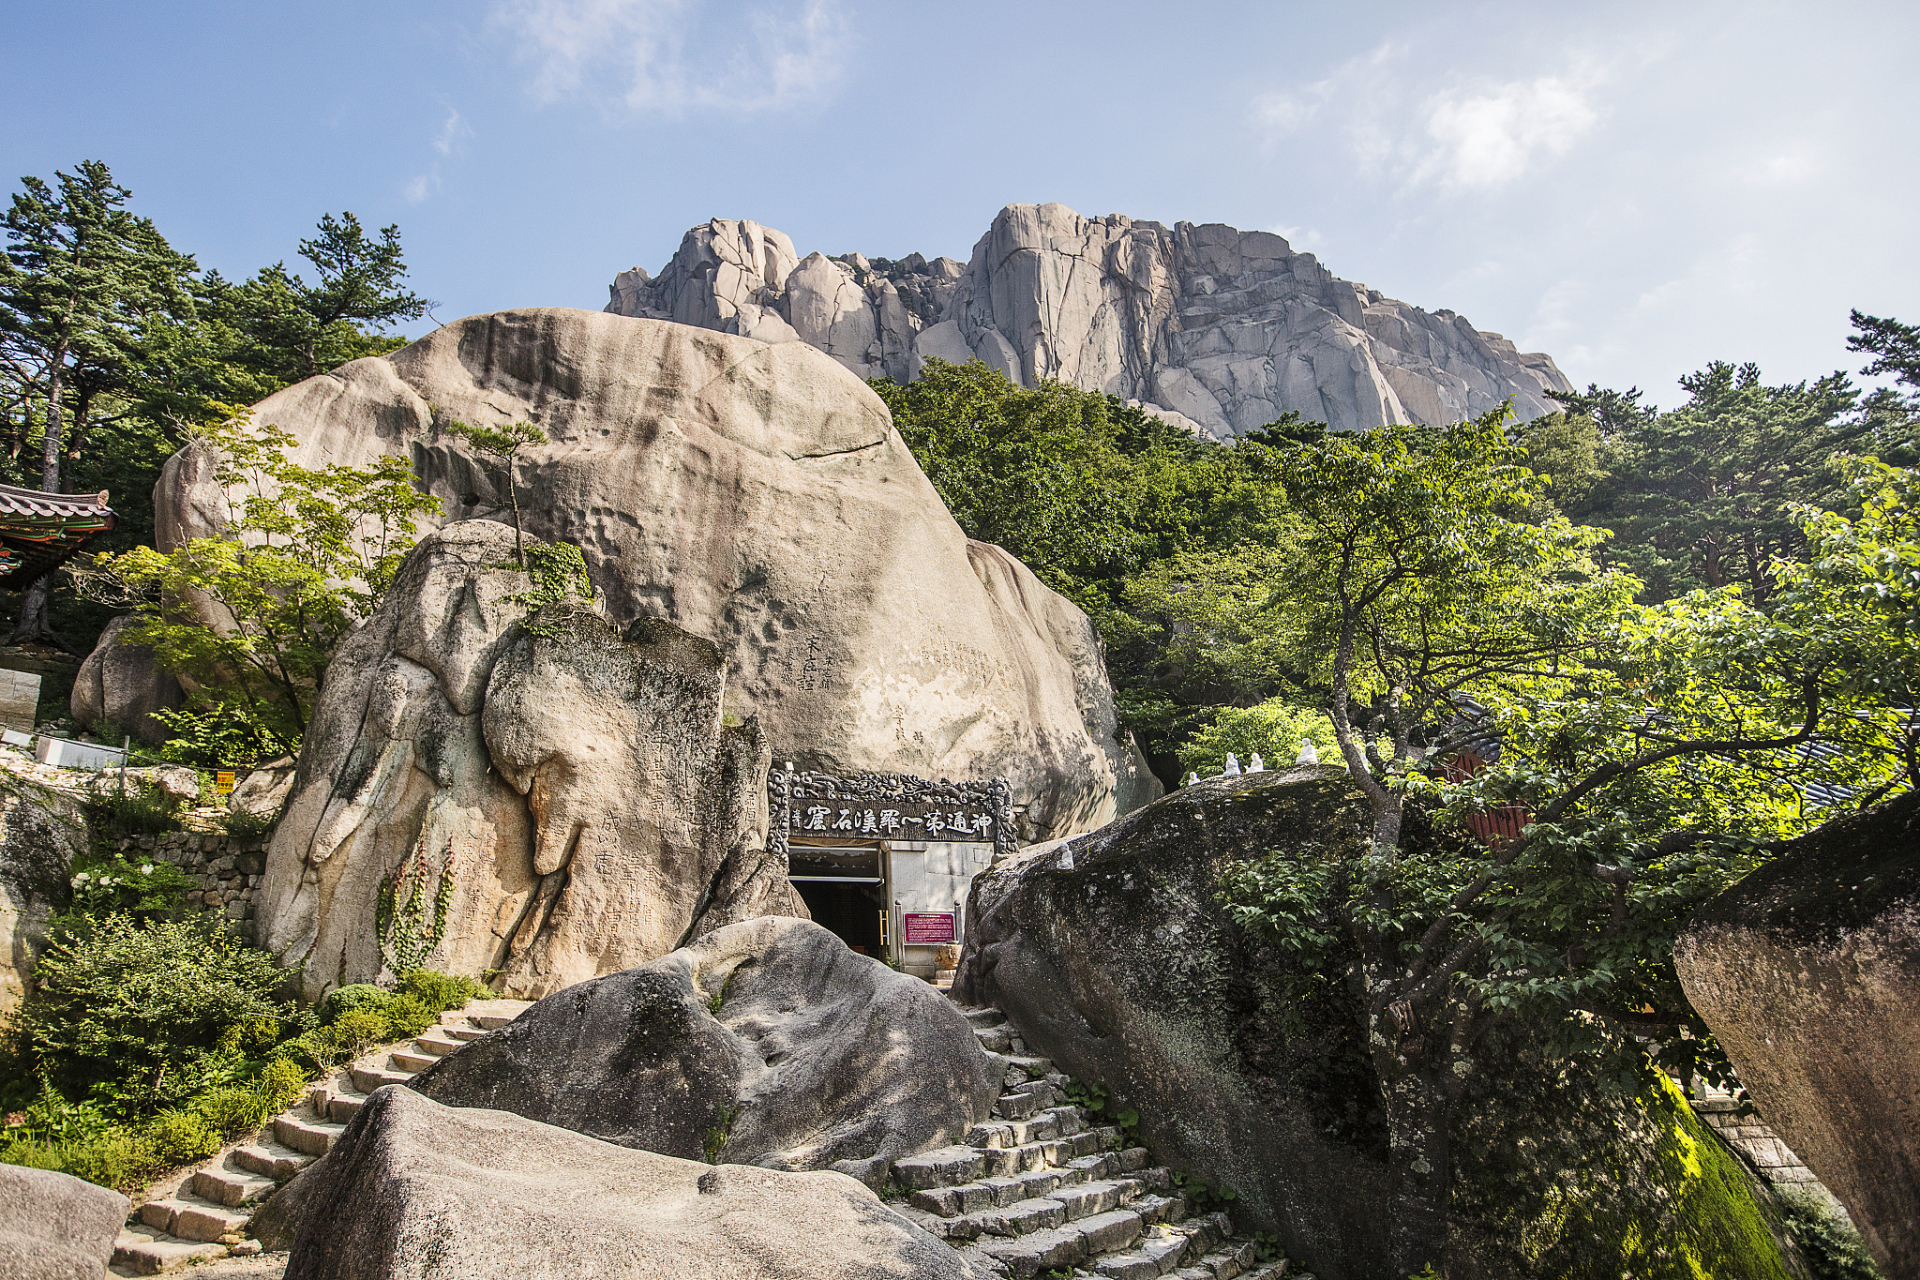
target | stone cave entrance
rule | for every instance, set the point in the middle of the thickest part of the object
(845, 889)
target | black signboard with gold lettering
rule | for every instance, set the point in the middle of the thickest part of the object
(887, 806)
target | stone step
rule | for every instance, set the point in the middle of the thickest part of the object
(311, 1137)
(436, 1043)
(1065, 1246)
(463, 1031)
(993, 1193)
(367, 1079)
(987, 1017)
(344, 1106)
(491, 1021)
(191, 1217)
(1035, 1068)
(232, 1185)
(1157, 1252)
(271, 1159)
(411, 1063)
(995, 1039)
(1231, 1260)
(149, 1253)
(1085, 1199)
(946, 1166)
(1018, 1106)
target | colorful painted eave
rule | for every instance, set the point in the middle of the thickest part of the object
(39, 530)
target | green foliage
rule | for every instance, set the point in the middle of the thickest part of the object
(502, 443)
(118, 884)
(150, 1009)
(277, 328)
(441, 991)
(1274, 729)
(212, 734)
(559, 574)
(1828, 1242)
(408, 921)
(344, 1000)
(1201, 1197)
(141, 810)
(245, 824)
(716, 1137)
(1120, 512)
(307, 556)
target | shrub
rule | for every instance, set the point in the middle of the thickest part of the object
(105, 885)
(441, 991)
(144, 810)
(142, 1006)
(408, 1016)
(359, 995)
(245, 824)
(180, 1135)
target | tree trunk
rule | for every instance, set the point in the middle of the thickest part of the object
(1417, 1109)
(32, 623)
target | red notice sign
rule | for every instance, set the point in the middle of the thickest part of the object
(929, 928)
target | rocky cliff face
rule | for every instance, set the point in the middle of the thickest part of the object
(1113, 956)
(1219, 329)
(757, 496)
(1808, 971)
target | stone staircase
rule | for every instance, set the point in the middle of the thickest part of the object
(206, 1214)
(1040, 1191)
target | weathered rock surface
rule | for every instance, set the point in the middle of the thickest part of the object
(1808, 971)
(759, 496)
(416, 1189)
(1112, 956)
(54, 1226)
(41, 833)
(577, 789)
(264, 789)
(770, 1036)
(1219, 329)
(118, 685)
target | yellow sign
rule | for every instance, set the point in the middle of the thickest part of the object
(223, 782)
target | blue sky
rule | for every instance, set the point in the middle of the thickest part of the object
(1634, 188)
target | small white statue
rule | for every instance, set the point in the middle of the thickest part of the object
(1233, 766)
(1192, 778)
(1307, 754)
(1256, 765)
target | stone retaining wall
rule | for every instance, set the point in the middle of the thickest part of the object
(228, 869)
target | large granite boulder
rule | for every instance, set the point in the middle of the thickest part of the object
(1112, 954)
(119, 686)
(1808, 971)
(1217, 329)
(757, 495)
(577, 790)
(42, 832)
(767, 1043)
(416, 1189)
(54, 1226)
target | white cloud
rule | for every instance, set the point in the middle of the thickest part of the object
(670, 56)
(1491, 137)
(447, 141)
(1475, 135)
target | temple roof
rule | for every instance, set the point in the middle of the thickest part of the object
(39, 531)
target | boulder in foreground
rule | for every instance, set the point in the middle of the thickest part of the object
(767, 1042)
(54, 1226)
(1808, 971)
(428, 1192)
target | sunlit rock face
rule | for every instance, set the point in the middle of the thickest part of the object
(756, 496)
(554, 800)
(1218, 329)
(1808, 971)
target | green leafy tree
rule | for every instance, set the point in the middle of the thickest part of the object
(83, 285)
(501, 444)
(281, 329)
(307, 555)
(1622, 763)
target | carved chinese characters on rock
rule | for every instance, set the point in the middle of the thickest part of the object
(888, 806)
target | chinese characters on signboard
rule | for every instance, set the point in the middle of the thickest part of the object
(928, 928)
(887, 806)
